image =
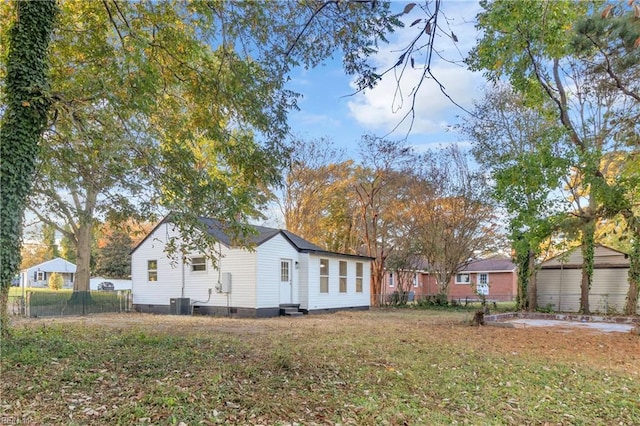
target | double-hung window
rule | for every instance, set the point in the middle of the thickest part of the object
(152, 270)
(324, 275)
(359, 274)
(343, 276)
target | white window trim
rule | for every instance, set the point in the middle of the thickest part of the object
(285, 265)
(149, 270)
(486, 274)
(324, 274)
(391, 283)
(463, 282)
(202, 263)
(360, 277)
(343, 277)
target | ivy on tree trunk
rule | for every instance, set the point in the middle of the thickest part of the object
(25, 117)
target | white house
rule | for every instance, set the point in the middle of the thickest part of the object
(282, 270)
(558, 281)
(38, 275)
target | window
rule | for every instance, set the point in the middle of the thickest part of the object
(152, 270)
(483, 279)
(284, 271)
(343, 276)
(198, 264)
(462, 279)
(359, 277)
(40, 276)
(415, 280)
(391, 279)
(324, 275)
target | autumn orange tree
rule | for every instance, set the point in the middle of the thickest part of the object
(317, 199)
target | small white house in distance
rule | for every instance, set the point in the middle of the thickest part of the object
(38, 275)
(559, 278)
(283, 271)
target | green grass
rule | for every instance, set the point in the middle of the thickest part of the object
(380, 367)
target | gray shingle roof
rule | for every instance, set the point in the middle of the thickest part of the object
(216, 229)
(488, 265)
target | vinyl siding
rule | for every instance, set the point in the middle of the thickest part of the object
(560, 289)
(196, 284)
(601, 256)
(269, 255)
(255, 276)
(335, 299)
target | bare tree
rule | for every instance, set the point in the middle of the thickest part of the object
(456, 221)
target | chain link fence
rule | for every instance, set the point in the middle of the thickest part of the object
(60, 303)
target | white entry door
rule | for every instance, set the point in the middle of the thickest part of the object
(286, 280)
(483, 284)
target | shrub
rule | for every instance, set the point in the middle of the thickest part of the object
(55, 281)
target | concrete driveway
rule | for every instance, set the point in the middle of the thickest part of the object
(605, 327)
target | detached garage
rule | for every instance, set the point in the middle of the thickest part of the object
(559, 280)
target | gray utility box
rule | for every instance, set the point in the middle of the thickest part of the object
(179, 306)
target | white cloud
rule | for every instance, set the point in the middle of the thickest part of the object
(383, 107)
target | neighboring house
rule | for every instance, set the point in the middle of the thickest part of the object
(283, 269)
(496, 278)
(117, 283)
(38, 275)
(559, 278)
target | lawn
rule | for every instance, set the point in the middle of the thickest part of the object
(380, 367)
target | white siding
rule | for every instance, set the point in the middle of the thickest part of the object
(601, 256)
(269, 255)
(255, 276)
(177, 280)
(560, 288)
(303, 280)
(335, 299)
(169, 282)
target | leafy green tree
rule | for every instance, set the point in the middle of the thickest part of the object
(55, 281)
(113, 259)
(165, 106)
(24, 116)
(49, 238)
(517, 145)
(531, 44)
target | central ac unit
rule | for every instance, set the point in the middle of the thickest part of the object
(179, 306)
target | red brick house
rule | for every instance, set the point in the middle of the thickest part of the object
(496, 278)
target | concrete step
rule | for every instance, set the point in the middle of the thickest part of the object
(293, 314)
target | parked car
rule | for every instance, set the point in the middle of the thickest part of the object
(106, 286)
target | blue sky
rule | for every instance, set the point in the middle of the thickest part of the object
(327, 110)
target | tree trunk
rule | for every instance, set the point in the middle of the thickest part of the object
(631, 308)
(532, 282)
(588, 232)
(23, 121)
(83, 259)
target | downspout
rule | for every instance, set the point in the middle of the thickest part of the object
(183, 283)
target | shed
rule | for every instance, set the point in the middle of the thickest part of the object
(559, 278)
(282, 271)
